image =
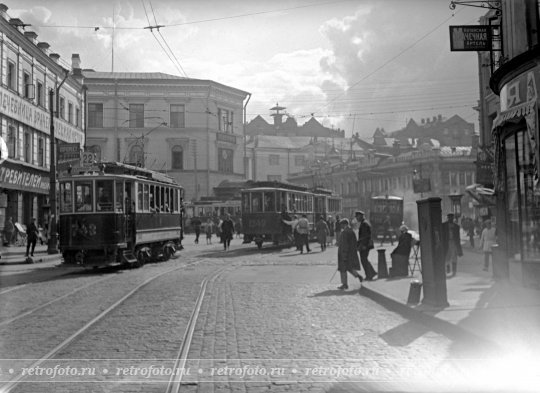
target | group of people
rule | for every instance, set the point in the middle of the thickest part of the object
(32, 235)
(225, 230)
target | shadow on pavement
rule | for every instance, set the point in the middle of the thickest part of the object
(336, 292)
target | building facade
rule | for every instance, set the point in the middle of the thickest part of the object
(190, 129)
(28, 72)
(516, 137)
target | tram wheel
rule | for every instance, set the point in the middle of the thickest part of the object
(141, 259)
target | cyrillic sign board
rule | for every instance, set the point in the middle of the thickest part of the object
(470, 38)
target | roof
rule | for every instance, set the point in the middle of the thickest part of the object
(129, 75)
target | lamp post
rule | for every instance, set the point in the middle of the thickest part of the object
(455, 200)
(52, 246)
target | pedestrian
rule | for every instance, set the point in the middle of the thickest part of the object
(337, 228)
(322, 232)
(9, 230)
(347, 254)
(487, 240)
(196, 224)
(303, 233)
(293, 224)
(227, 231)
(31, 237)
(208, 230)
(331, 228)
(400, 255)
(451, 244)
(238, 227)
(387, 230)
(365, 244)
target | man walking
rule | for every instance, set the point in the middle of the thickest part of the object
(227, 230)
(303, 233)
(365, 244)
(451, 244)
(196, 223)
(31, 237)
(347, 254)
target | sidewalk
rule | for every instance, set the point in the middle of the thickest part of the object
(502, 312)
(14, 255)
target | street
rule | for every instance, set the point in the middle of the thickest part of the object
(216, 321)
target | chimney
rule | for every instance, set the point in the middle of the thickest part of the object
(3, 10)
(44, 46)
(31, 35)
(17, 23)
(55, 57)
(76, 67)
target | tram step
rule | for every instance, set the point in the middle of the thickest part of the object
(128, 257)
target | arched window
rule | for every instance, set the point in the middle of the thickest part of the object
(136, 155)
(96, 149)
(177, 158)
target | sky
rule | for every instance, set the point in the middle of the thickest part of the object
(353, 65)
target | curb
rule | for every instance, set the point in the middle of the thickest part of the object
(17, 259)
(437, 324)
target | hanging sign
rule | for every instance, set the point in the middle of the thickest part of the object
(470, 38)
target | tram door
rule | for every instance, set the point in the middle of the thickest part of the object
(129, 222)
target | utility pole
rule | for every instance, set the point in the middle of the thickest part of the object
(52, 247)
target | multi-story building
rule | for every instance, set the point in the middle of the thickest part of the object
(191, 129)
(28, 72)
(515, 80)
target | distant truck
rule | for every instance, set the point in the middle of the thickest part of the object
(386, 206)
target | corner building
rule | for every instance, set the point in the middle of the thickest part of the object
(28, 71)
(516, 138)
(191, 129)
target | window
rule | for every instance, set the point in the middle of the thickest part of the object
(40, 98)
(225, 118)
(27, 147)
(274, 177)
(66, 197)
(70, 113)
(104, 201)
(177, 157)
(273, 159)
(12, 142)
(11, 75)
(136, 115)
(299, 160)
(95, 115)
(28, 86)
(225, 160)
(62, 108)
(136, 155)
(83, 196)
(178, 114)
(77, 117)
(119, 193)
(41, 152)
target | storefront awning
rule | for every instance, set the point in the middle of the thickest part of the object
(515, 112)
(483, 195)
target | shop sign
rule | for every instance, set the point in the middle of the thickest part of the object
(517, 93)
(26, 112)
(470, 38)
(17, 177)
(223, 137)
(484, 167)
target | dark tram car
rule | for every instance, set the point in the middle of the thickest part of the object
(119, 214)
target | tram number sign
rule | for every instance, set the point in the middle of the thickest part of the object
(88, 159)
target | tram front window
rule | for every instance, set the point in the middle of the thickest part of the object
(269, 202)
(105, 195)
(256, 202)
(83, 195)
(66, 197)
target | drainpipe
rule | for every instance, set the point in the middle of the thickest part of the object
(245, 123)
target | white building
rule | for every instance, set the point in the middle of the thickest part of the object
(28, 72)
(191, 129)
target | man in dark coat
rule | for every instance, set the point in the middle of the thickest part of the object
(451, 244)
(347, 254)
(196, 223)
(31, 237)
(227, 230)
(365, 244)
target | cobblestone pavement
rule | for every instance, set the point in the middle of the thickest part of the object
(271, 321)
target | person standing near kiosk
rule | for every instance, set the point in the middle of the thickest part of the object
(365, 244)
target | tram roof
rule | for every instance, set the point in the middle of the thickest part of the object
(259, 189)
(390, 197)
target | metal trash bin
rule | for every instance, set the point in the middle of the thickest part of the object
(415, 290)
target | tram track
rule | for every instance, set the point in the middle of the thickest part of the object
(101, 317)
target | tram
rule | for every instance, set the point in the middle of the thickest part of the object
(266, 204)
(384, 206)
(212, 209)
(119, 214)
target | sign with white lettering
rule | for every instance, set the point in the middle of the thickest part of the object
(26, 112)
(18, 177)
(470, 38)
